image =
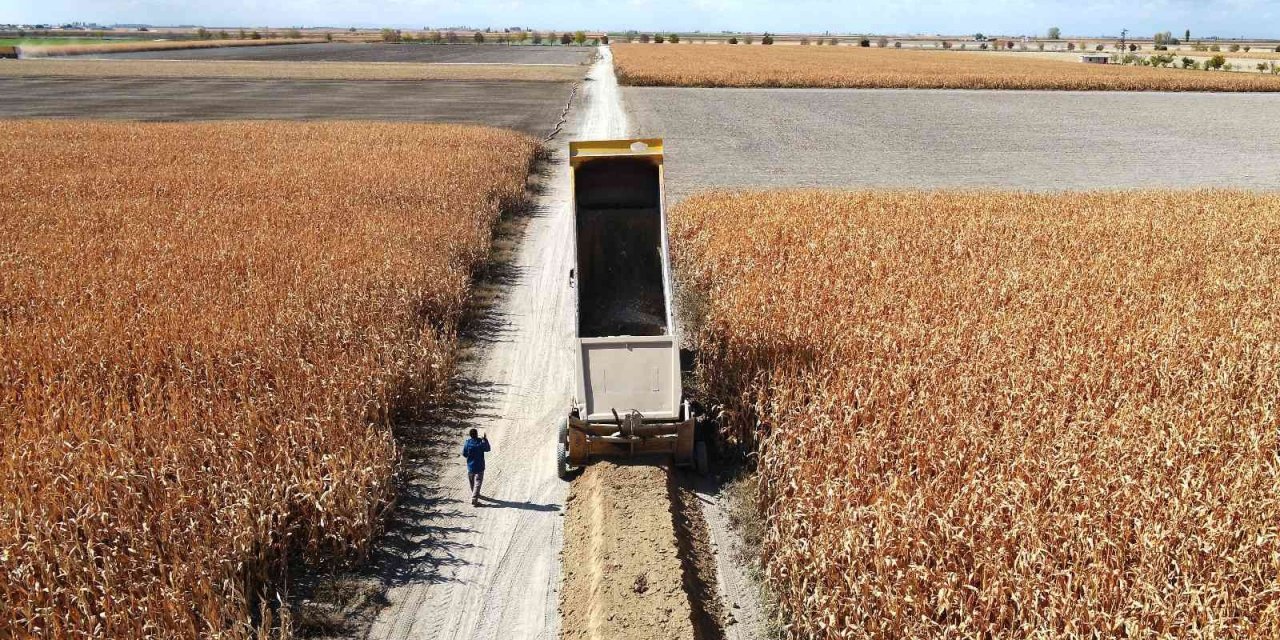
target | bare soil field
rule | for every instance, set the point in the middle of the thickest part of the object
(531, 107)
(140, 46)
(999, 414)
(94, 68)
(857, 67)
(909, 138)
(369, 52)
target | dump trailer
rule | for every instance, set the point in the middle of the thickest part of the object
(628, 399)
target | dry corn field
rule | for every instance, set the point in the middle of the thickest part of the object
(153, 45)
(205, 332)
(860, 68)
(1002, 415)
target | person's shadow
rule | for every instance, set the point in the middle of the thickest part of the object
(507, 504)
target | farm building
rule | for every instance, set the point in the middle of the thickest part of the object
(1095, 58)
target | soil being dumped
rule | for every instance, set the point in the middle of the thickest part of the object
(623, 574)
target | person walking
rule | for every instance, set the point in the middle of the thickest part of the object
(473, 450)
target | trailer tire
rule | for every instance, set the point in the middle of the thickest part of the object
(562, 449)
(700, 461)
(562, 461)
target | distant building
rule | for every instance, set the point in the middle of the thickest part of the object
(1095, 58)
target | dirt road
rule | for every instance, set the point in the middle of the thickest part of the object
(492, 571)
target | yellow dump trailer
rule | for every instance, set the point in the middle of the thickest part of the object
(628, 399)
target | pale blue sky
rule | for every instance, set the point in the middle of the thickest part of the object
(1226, 18)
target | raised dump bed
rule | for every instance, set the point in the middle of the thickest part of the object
(628, 398)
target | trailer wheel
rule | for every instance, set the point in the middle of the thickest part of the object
(700, 462)
(562, 449)
(562, 461)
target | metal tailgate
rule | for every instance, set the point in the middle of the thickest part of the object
(640, 373)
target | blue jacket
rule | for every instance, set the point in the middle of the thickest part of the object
(473, 451)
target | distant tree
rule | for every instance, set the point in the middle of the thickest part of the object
(255, 36)
(579, 37)
(223, 35)
(1188, 63)
(1217, 62)
(293, 33)
(882, 42)
(242, 35)
(979, 37)
(1055, 33)
(202, 33)
(1100, 47)
(1234, 48)
(1133, 47)
(644, 38)
(328, 36)
(452, 37)
(768, 39)
(1186, 35)
(983, 46)
(804, 41)
(478, 37)
(1246, 48)
(1071, 46)
(897, 45)
(630, 36)
(1278, 48)
(945, 44)
(1040, 46)
(1215, 48)
(521, 36)
(733, 40)
(658, 38)
(746, 40)
(535, 37)
(673, 38)
(390, 35)
(566, 38)
(604, 39)
(865, 42)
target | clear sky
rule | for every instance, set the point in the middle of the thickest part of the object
(1226, 18)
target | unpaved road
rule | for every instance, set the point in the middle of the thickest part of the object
(623, 574)
(493, 571)
(1034, 140)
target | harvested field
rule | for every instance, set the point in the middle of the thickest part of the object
(92, 68)
(1038, 140)
(368, 52)
(623, 577)
(205, 333)
(531, 107)
(168, 46)
(860, 68)
(1002, 415)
